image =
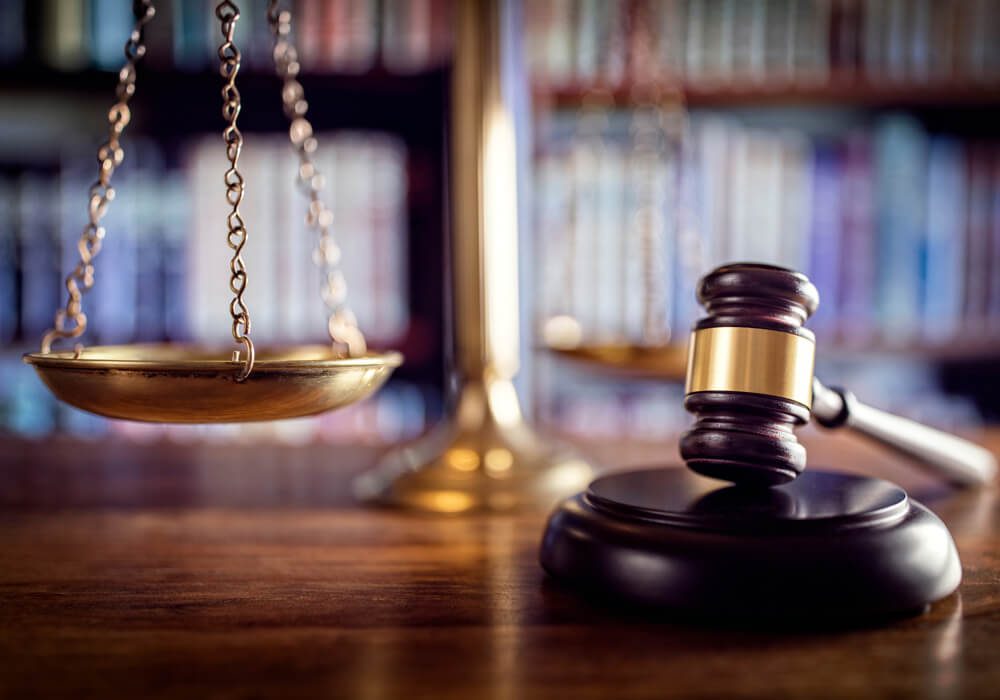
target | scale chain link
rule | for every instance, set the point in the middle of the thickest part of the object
(228, 14)
(109, 156)
(342, 325)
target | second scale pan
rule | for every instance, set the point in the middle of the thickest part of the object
(640, 361)
(188, 384)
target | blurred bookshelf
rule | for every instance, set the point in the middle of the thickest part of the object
(855, 140)
(848, 90)
(376, 74)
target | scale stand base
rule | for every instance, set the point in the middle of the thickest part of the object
(825, 547)
(483, 458)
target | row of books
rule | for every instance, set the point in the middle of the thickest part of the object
(349, 36)
(364, 186)
(720, 42)
(163, 269)
(162, 272)
(898, 228)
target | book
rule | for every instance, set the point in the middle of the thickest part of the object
(363, 184)
(669, 27)
(13, 31)
(41, 273)
(901, 154)
(979, 209)
(193, 34)
(796, 200)
(9, 262)
(778, 39)
(857, 319)
(159, 36)
(64, 40)
(994, 304)
(825, 235)
(110, 26)
(945, 251)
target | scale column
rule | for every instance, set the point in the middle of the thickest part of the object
(484, 456)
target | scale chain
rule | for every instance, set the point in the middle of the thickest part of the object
(109, 156)
(342, 325)
(228, 14)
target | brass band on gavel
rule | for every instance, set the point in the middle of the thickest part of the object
(751, 360)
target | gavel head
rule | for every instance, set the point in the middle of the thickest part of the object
(750, 373)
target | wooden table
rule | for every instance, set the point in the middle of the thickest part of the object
(158, 571)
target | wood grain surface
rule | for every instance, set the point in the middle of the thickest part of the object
(147, 571)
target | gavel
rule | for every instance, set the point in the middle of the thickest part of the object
(750, 384)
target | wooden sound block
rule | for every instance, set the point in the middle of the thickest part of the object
(825, 546)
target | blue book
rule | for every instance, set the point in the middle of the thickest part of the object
(110, 26)
(149, 234)
(901, 170)
(945, 254)
(113, 301)
(174, 256)
(191, 24)
(41, 277)
(994, 308)
(28, 408)
(12, 30)
(825, 232)
(8, 263)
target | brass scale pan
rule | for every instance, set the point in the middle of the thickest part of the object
(185, 384)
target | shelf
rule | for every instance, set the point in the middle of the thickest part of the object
(176, 103)
(850, 92)
(31, 76)
(943, 351)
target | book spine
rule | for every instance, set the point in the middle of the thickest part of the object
(13, 37)
(857, 299)
(8, 262)
(64, 34)
(38, 238)
(310, 26)
(114, 295)
(994, 265)
(194, 43)
(979, 209)
(173, 195)
(796, 201)
(901, 168)
(694, 47)
(945, 257)
(825, 234)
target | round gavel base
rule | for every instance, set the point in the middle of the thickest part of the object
(825, 546)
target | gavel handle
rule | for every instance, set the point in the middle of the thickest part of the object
(960, 461)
